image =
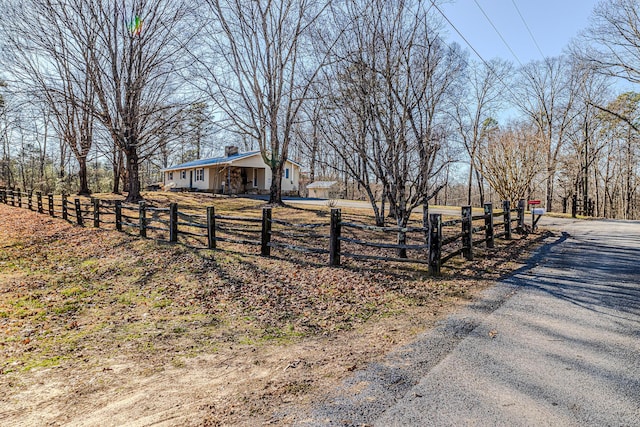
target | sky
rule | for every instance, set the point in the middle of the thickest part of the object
(552, 22)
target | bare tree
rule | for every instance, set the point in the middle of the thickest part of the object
(611, 44)
(131, 52)
(263, 71)
(485, 87)
(509, 160)
(547, 91)
(622, 159)
(46, 65)
(390, 86)
(585, 138)
(5, 161)
(309, 135)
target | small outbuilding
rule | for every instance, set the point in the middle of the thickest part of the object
(324, 190)
(235, 173)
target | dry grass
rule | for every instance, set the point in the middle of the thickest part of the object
(104, 312)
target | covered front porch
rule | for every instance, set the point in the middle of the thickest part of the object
(228, 179)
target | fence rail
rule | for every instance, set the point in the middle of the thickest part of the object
(435, 243)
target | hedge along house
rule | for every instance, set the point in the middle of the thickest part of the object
(235, 173)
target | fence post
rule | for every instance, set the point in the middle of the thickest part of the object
(435, 244)
(425, 219)
(96, 212)
(211, 227)
(50, 203)
(30, 200)
(39, 198)
(467, 233)
(65, 213)
(79, 218)
(488, 222)
(173, 222)
(334, 239)
(119, 215)
(3, 195)
(142, 209)
(266, 232)
(13, 197)
(506, 207)
(19, 198)
(521, 205)
(402, 241)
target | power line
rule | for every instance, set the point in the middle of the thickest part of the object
(528, 29)
(498, 32)
(459, 33)
(506, 86)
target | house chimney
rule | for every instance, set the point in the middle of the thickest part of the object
(230, 150)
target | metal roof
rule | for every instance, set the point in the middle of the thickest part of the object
(213, 161)
(225, 160)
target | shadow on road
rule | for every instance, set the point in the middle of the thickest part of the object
(597, 277)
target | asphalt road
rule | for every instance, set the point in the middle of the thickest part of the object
(557, 343)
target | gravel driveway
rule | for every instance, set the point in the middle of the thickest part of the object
(558, 343)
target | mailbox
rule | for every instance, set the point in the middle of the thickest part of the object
(538, 211)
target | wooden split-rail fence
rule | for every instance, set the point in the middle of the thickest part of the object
(434, 242)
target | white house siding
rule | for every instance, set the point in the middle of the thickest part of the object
(254, 161)
(262, 180)
(216, 175)
(265, 175)
(177, 180)
(203, 184)
(189, 178)
(290, 184)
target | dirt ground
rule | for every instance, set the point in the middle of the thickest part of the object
(238, 385)
(174, 360)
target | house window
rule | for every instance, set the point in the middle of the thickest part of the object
(199, 174)
(183, 175)
(255, 177)
(286, 173)
(170, 176)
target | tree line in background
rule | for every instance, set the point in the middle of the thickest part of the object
(100, 96)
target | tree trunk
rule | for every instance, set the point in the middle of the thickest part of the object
(275, 191)
(133, 176)
(549, 191)
(82, 174)
(117, 169)
(470, 183)
(312, 161)
(480, 188)
(403, 218)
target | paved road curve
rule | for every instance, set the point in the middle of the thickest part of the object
(558, 343)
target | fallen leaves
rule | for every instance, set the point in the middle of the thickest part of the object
(100, 293)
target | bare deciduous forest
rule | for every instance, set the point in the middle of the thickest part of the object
(99, 98)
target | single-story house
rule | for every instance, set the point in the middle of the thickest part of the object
(235, 173)
(324, 190)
